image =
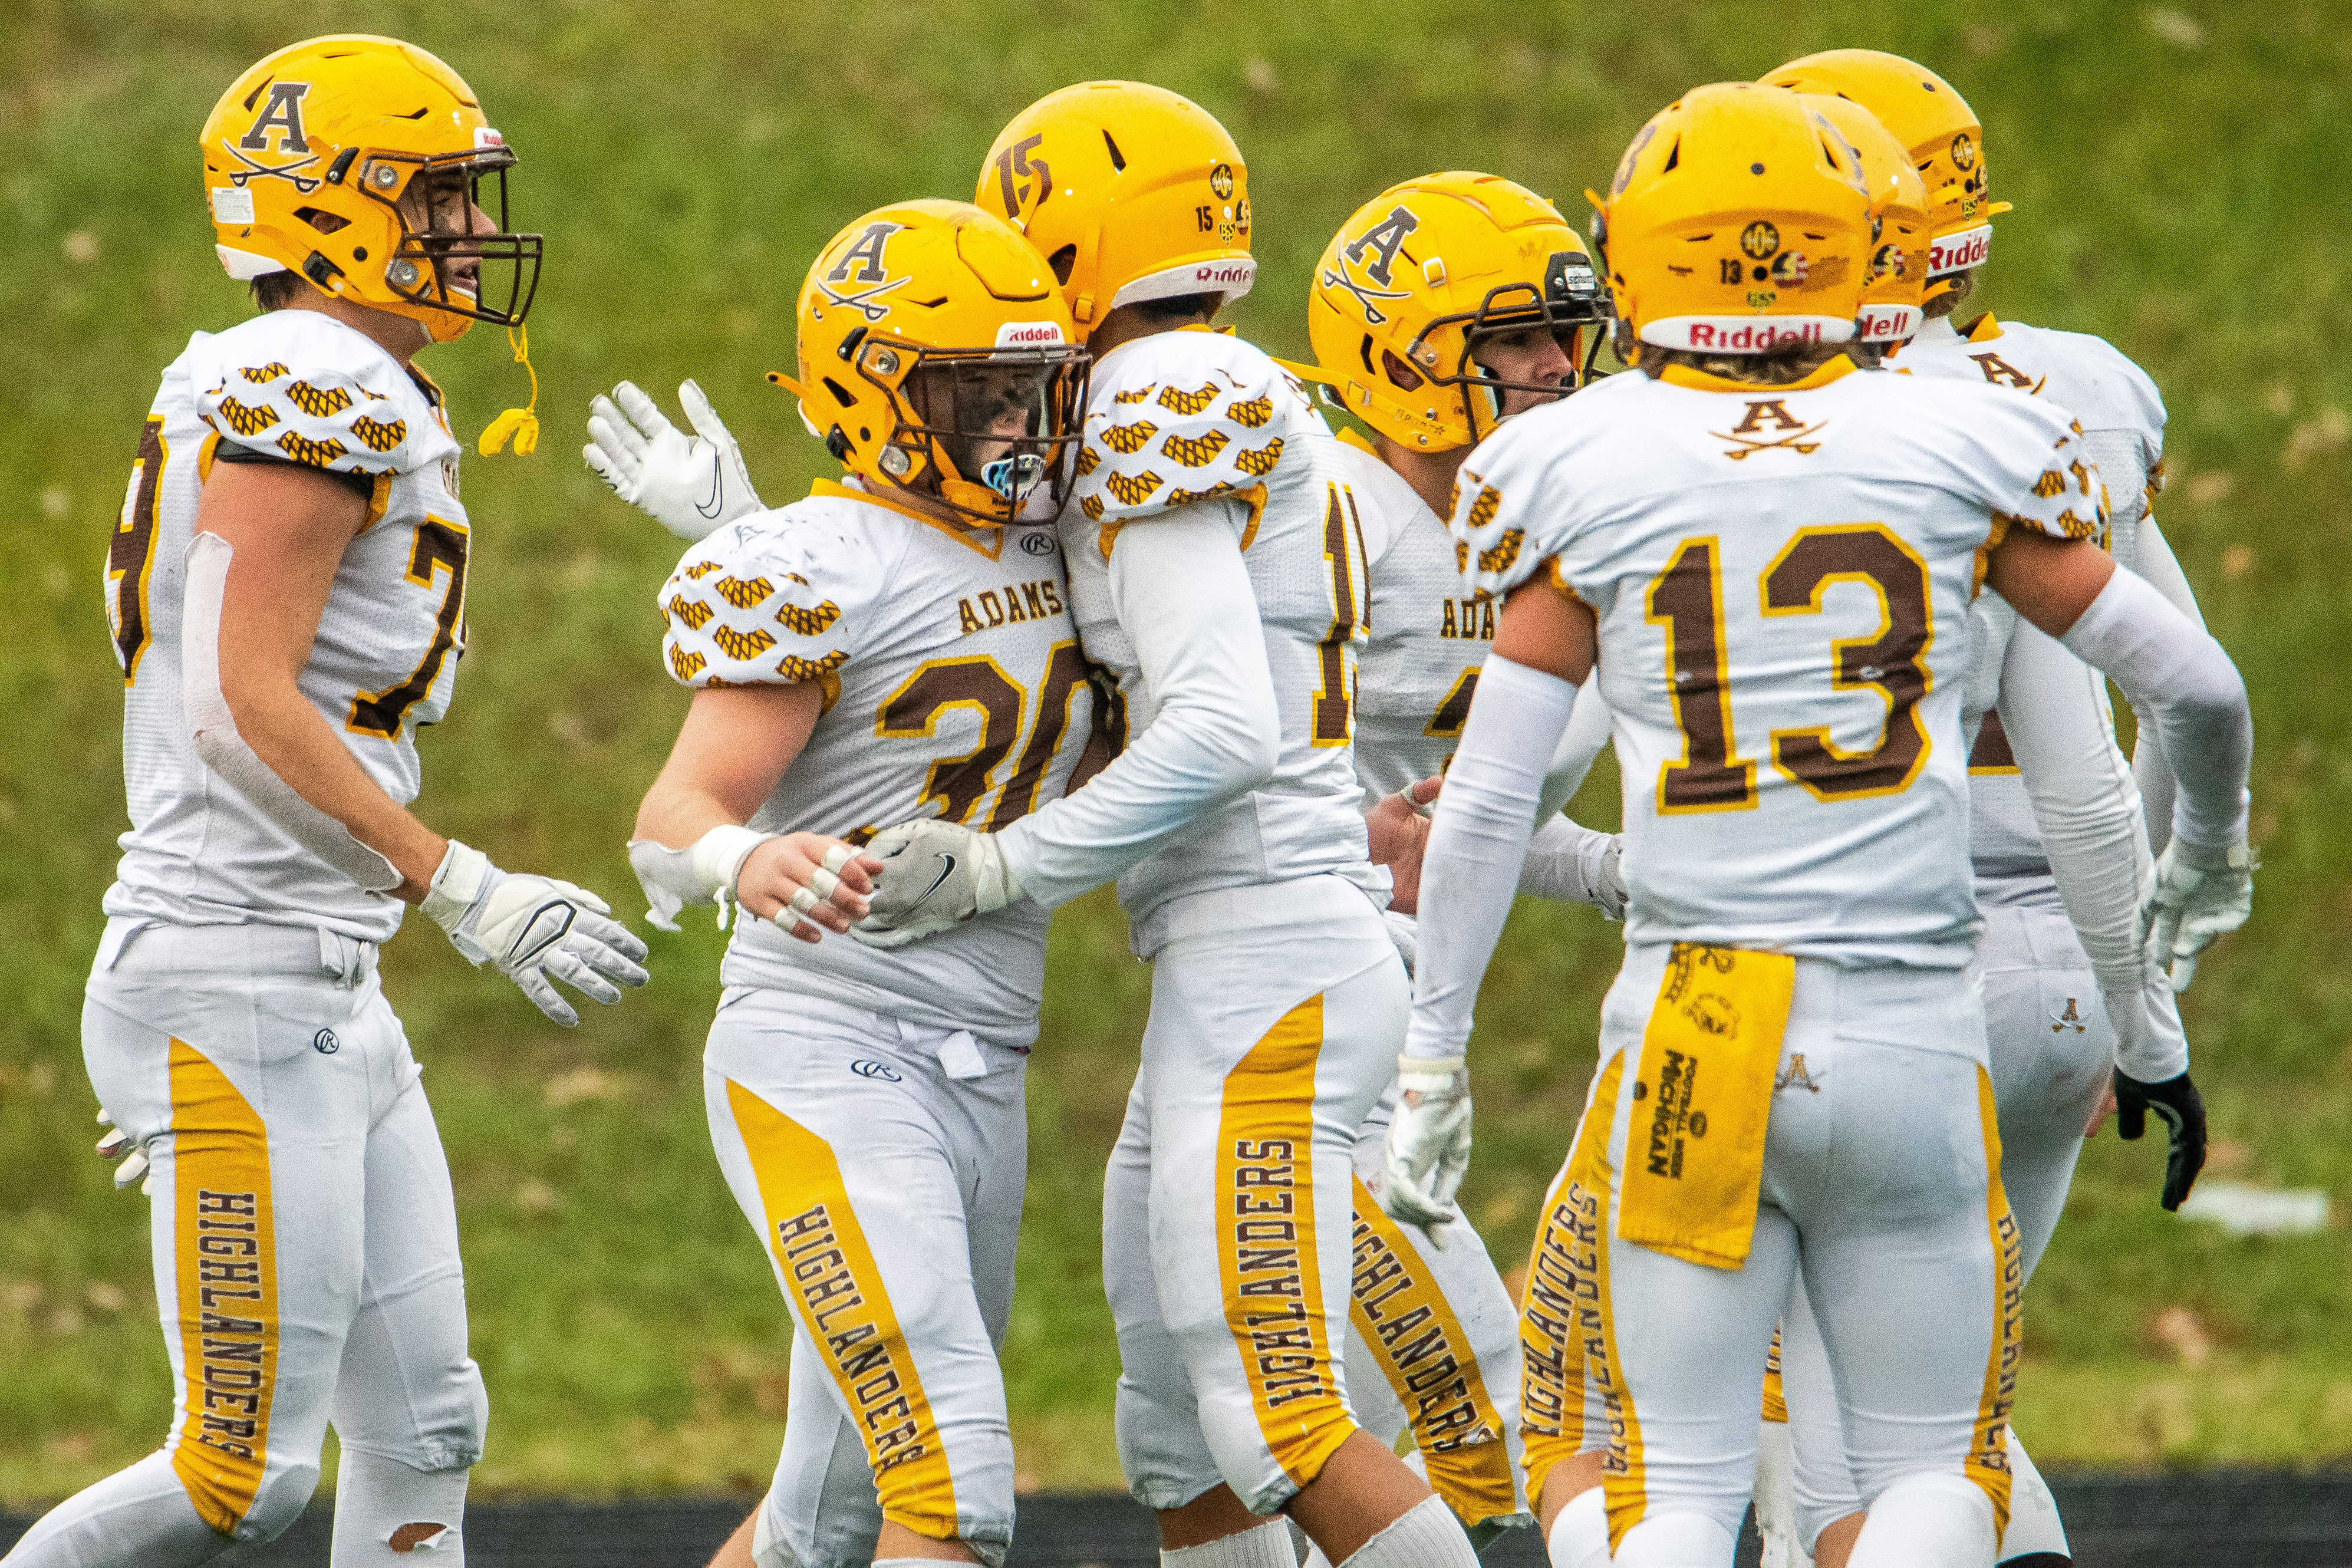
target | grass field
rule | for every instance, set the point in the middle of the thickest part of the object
(2176, 180)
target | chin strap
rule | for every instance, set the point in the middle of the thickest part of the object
(521, 425)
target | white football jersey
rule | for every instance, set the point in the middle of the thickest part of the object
(1781, 577)
(2122, 417)
(1183, 417)
(1429, 634)
(287, 387)
(953, 687)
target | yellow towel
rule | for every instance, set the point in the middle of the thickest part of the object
(1702, 1096)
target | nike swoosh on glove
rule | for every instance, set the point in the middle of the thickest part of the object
(1428, 1148)
(533, 930)
(2175, 1100)
(690, 485)
(2201, 894)
(935, 874)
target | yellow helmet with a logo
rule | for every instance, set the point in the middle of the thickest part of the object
(354, 160)
(1738, 223)
(1937, 127)
(1410, 285)
(1131, 192)
(1898, 269)
(926, 327)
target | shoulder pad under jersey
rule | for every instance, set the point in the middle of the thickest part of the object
(778, 598)
(1183, 417)
(301, 386)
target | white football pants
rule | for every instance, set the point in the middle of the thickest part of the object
(1277, 1012)
(305, 1250)
(882, 1165)
(2051, 1047)
(1433, 1344)
(1881, 1170)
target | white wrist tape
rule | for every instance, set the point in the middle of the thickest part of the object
(456, 883)
(703, 873)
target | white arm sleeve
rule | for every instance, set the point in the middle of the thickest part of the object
(1477, 844)
(1579, 748)
(1564, 860)
(1184, 598)
(2194, 699)
(2053, 710)
(2152, 559)
(213, 728)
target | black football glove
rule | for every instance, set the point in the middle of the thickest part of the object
(2183, 1108)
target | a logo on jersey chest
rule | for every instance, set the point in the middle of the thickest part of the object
(1003, 607)
(1467, 620)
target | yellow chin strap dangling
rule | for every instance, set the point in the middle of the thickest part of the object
(519, 424)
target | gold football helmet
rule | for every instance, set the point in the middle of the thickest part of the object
(356, 161)
(1937, 127)
(1738, 223)
(1425, 272)
(1131, 191)
(1898, 269)
(936, 357)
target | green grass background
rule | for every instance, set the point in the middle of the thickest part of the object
(2177, 177)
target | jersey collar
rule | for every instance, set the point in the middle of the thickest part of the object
(969, 538)
(1983, 330)
(1700, 381)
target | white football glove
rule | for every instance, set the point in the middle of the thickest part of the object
(690, 485)
(1428, 1149)
(935, 874)
(1605, 875)
(2201, 895)
(534, 928)
(115, 1144)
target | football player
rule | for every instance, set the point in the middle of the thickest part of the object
(2038, 861)
(286, 589)
(1442, 307)
(895, 643)
(1794, 1053)
(1217, 568)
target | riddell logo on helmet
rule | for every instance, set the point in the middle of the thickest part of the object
(1750, 337)
(1227, 273)
(1951, 252)
(1014, 334)
(1886, 323)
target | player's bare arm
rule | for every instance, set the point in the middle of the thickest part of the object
(288, 528)
(736, 743)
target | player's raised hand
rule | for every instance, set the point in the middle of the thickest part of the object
(1428, 1149)
(2201, 894)
(935, 874)
(534, 931)
(690, 485)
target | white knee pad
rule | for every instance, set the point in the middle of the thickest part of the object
(1580, 1533)
(1681, 1540)
(1927, 1522)
(388, 1514)
(2034, 1527)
